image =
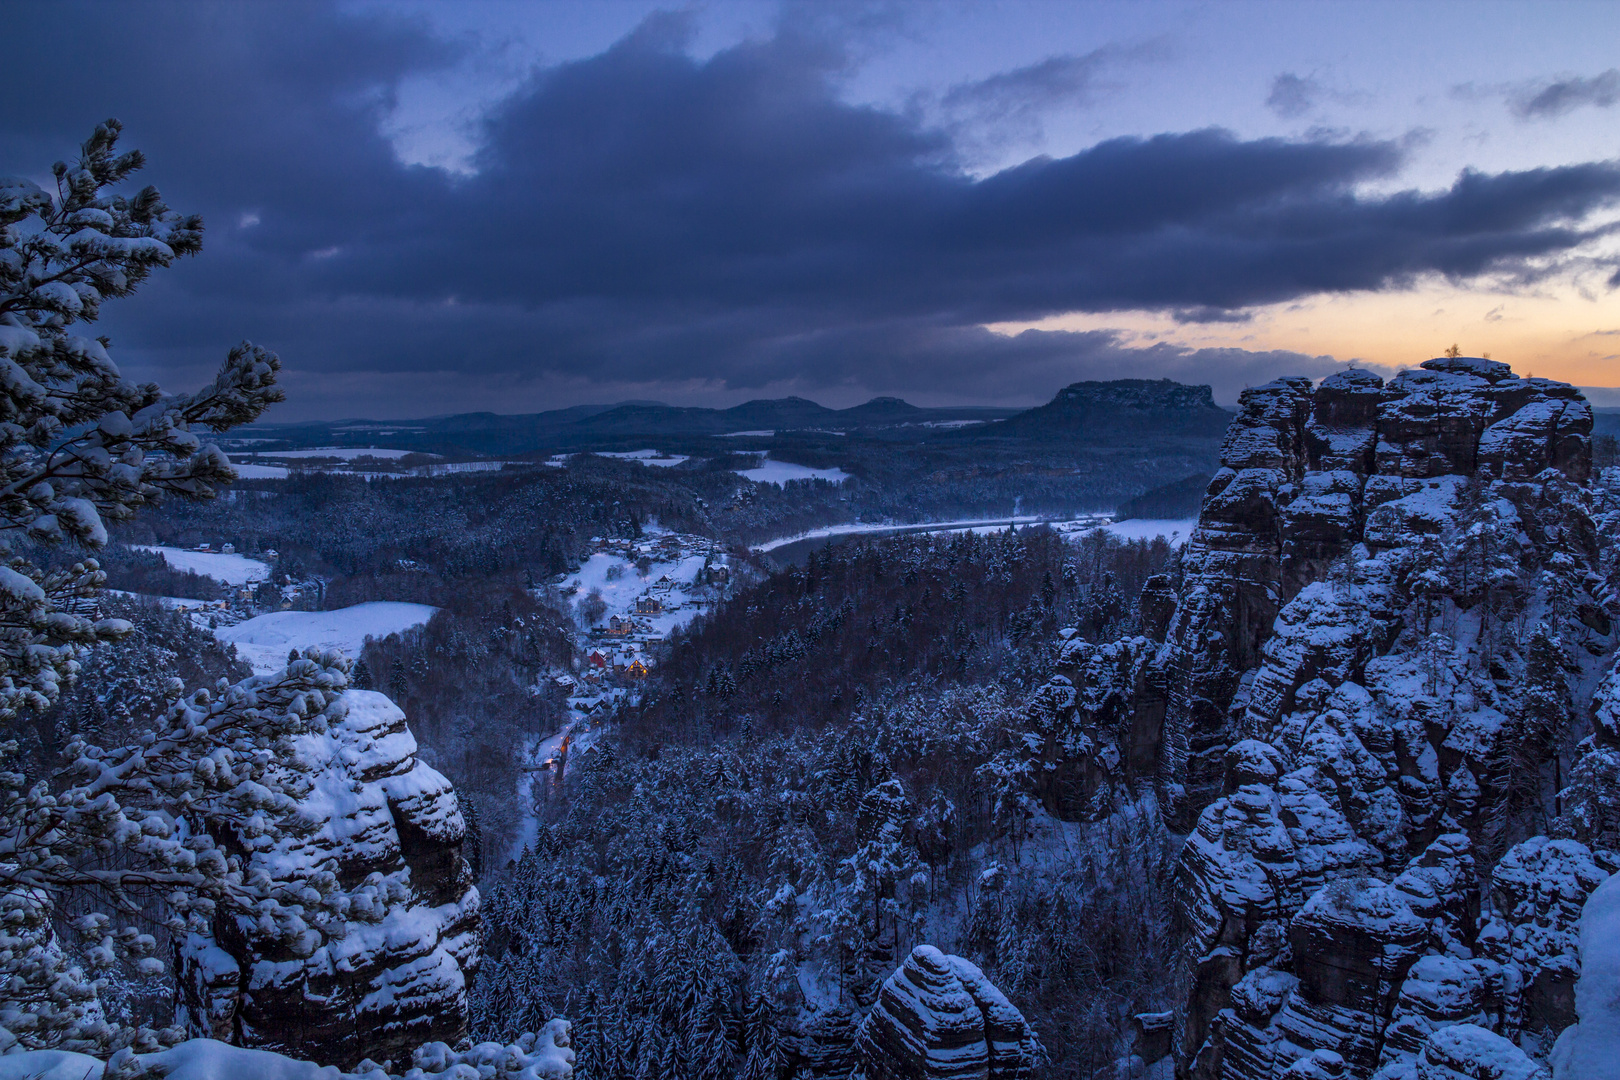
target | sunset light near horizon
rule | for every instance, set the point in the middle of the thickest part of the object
(433, 207)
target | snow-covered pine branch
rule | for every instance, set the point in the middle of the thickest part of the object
(80, 445)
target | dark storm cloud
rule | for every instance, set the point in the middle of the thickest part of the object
(644, 216)
(1546, 100)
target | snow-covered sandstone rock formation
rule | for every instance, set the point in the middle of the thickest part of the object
(545, 1055)
(939, 1018)
(380, 964)
(1385, 633)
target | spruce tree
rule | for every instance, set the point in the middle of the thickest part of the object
(1545, 711)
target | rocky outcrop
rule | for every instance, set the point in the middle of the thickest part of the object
(1329, 966)
(542, 1055)
(1099, 741)
(1231, 593)
(1467, 1052)
(1381, 723)
(1539, 890)
(384, 968)
(939, 1018)
(1309, 472)
(1359, 719)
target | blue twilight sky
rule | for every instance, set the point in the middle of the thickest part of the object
(435, 207)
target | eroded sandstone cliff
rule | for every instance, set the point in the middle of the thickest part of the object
(1385, 635)
(386, 973)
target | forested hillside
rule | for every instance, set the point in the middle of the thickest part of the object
(829, 770)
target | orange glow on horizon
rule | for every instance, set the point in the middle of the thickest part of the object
(1570, 334)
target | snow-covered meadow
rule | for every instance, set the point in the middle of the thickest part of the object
(264, 640)
(643, 457)
(620, 589)
(249, 471)
(230, 569)
(646, 457)
(780, 472)
(1175, 530)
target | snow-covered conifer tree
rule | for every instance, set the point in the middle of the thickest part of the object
(80, 445)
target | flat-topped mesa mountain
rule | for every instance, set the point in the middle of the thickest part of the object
(1361, 693)
(1158, 408)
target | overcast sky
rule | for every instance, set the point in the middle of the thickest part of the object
(429, 208)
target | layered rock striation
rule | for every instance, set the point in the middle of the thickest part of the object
(939, 1018)
(383, 968)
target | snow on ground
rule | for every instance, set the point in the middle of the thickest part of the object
(747, 434)
(231, 569)
(205, 1059)
(620, 593)
(1591, 1048)
(1175, 530)
(259, 472)
(264, 640)
(780, 472)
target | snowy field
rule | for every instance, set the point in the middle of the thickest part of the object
(646, 457)
(1175, 530)
(259, 472)
(780, 472)
(231, 569)
(620, 594)
(263, 641)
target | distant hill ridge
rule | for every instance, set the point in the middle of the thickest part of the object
(1083, 410)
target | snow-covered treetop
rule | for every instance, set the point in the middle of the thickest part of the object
(80, 445)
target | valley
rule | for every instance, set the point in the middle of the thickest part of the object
(779, 541)
(985, 679)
